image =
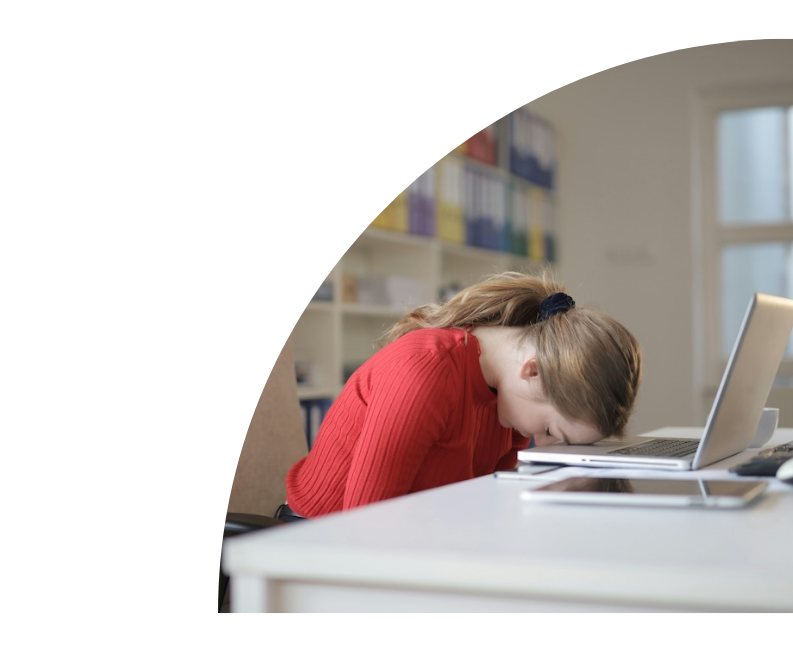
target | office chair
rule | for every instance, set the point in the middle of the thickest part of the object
(275, 440)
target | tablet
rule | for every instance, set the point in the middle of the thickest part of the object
(526, 471)
(648, 492)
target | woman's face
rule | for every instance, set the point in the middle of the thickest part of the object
(522, 405)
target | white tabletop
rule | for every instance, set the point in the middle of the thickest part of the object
(479, 537)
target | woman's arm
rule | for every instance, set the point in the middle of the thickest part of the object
(408, 412)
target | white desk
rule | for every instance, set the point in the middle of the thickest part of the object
(476, 546)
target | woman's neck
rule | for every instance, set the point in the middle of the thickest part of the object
(501, 352)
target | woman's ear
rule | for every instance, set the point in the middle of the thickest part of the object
(529, 370)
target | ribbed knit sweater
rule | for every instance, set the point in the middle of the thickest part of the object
(417, 415)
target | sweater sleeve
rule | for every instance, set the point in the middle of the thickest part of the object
(408, 412)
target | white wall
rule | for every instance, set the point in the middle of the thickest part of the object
(626, 199)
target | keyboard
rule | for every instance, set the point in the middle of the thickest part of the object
(660, 448)
(766, 462)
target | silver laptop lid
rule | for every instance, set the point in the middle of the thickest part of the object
(747, 381)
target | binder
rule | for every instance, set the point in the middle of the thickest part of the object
(483, 145)
(306, 423)
(536, 224)
(477, 209)
(383, 220)
(500, 188)
(313, 412)
(518, 147)
(518, 221)
(493, 217)
(485, 224)
(542, 153)
(421, 204)
(399, 212)
(532, 148)
(413, 207)
(450, 200)
(470, 206)
(549, 231)
(428, 202)
(542, 236)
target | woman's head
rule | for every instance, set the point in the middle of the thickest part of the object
(590, 366)
(589, 363)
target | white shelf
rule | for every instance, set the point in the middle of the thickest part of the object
(369, 310)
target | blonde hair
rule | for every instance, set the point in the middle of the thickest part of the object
(590, 364)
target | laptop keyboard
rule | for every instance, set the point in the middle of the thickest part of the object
(660, 448)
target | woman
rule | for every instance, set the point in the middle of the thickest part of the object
(460, 388)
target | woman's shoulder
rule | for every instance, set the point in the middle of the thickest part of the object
(425, 343)
(417, 353)
(433, 339)
(421, 350)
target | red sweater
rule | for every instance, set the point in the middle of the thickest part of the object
(418, 414)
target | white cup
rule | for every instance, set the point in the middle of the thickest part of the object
(765, 429)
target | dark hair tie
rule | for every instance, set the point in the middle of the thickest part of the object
(556, 303)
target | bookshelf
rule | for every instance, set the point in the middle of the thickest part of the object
(485, 208)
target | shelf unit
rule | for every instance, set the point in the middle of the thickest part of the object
(333, 337)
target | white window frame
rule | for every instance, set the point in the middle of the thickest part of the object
(709, 235)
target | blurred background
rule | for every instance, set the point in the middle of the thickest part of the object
(660, 190)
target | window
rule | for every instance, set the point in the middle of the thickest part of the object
(753, 185)
(746, 222)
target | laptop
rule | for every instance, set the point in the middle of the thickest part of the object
(733, 419)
